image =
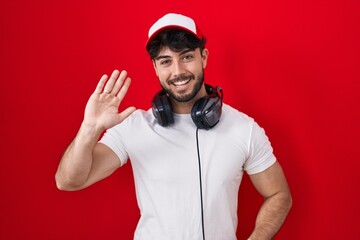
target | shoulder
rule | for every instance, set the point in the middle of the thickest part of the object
(138, 119)
(238, 123)
(231, 114)
(140, 115)
(239, 120)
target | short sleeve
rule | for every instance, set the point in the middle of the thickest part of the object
(112, 138)
(260, 152)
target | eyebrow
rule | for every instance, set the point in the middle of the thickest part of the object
(167, 56)
(162, 57)
(186, 51)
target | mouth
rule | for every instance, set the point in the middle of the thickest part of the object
(181, 81)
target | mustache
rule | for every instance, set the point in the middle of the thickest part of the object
(181, 78)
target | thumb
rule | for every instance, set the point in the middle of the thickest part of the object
(127, 112)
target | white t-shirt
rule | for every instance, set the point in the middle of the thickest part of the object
(166, 171)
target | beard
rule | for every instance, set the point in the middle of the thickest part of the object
(185, 97)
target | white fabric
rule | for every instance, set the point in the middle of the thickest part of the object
(165, 167)
(173, 19)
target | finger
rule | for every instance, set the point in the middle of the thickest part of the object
(119, 82)
(110, 84)
(100, 84)
(121, 94)
(124, 114)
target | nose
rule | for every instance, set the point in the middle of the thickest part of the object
(178, 69)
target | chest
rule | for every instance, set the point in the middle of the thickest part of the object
(173, 155)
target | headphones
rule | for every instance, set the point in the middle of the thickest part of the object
(205, 113)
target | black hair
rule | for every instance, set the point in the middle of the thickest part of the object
(175, 39)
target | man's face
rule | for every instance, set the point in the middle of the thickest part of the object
(181, 74)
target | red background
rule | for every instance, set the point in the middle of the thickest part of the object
(292, 65)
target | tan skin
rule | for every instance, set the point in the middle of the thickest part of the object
(170, 64)
(86, 162)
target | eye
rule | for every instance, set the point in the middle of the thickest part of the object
(188, 57)
(165, 62)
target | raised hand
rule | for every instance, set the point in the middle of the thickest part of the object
(101, 111)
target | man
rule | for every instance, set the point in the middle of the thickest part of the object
(188, 152)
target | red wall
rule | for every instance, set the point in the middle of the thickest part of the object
(292, 65)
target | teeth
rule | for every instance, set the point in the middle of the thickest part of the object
(180, 83)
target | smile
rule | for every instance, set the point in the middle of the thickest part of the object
(181, 83)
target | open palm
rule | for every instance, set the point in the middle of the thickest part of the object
(101, 111)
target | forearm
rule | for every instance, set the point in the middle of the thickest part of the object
(76, 163)
(271, 216)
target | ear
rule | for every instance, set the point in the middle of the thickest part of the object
(204, 56)
(154, 65)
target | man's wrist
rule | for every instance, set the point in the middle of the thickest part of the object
(89, 133)
(91, 129)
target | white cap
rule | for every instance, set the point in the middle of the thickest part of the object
(173, 20)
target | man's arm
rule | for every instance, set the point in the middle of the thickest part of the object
(85, 161)
(272, 185)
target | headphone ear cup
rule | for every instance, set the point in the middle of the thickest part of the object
(206, 111)
(162, 109)
(196, 112)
